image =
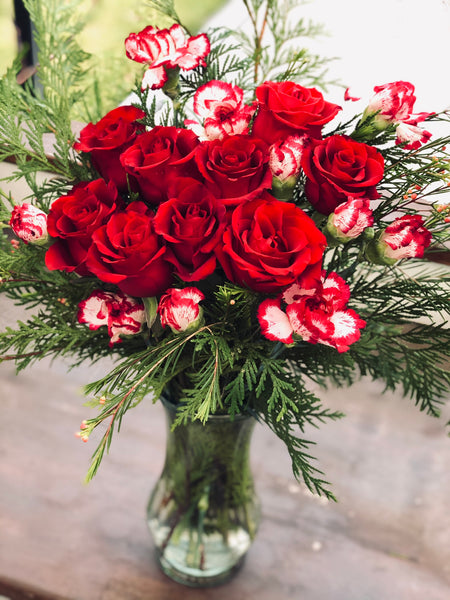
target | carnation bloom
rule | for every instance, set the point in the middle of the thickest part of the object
(29, 223)
(406, 237)
(349, 219)
(316, 312)
(394, 103)
(220, 107)
(180, 310)
(411, 135)
(285, 157)
(163, 49)
(122, 314)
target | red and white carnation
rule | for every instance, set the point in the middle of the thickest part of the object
(394, 103)
(406, 237)
(122, 314)
(180, 309)
(411, 135)
(166, 48)
(285, 157)
(29, 223)
(222, 111)
(316, 312)
(350, 219)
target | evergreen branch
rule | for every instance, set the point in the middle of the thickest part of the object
(167, 9)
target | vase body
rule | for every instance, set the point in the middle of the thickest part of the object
(203, 512)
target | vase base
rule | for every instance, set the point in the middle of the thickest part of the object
(199, 579)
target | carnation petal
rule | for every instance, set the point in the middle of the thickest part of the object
(347, 325)
(94, 310)
(154, 78)
(274, 322)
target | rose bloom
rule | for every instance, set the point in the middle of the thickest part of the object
(338, 167)
(29, 223)
(191, 223)
(287, 108)
(180, 309)
(73, 219)
(166, 48)
(158, 157)
(220, 107)
(108, 138)
(269, 244)
(235, 169)
(127, 252)
(122, 314)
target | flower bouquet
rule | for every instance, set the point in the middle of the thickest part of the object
(227, 240)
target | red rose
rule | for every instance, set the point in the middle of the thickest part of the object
(236, 168)
(74, 218)
(269, 244)
(191, 223)
(107, 139)
(287, 108)
(127, 252)
(158, 157)
(337, 168)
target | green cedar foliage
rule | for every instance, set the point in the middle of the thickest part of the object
(226, 366)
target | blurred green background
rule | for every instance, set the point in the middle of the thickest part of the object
(108, 24)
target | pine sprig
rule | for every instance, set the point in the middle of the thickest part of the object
(305, 409)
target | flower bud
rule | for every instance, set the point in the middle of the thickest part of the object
(151, 310)
(284, 163)
(392, 103)
(29, 224)
(406, 237)
(349, 220)
(180, 309)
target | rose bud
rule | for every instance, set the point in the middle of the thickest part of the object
(406, 237)
(29, 223)
(284, 163)
(180, 309)
(348, 221)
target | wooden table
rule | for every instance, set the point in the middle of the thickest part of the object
(388, 538)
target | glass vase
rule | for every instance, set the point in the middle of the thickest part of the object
(203, 512)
